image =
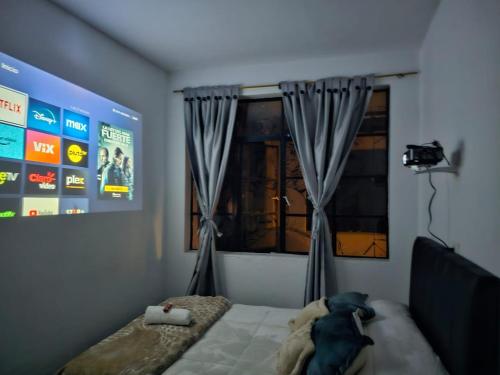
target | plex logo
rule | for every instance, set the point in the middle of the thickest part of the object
(75, 182)
(8, 177)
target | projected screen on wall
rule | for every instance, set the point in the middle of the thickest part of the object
(63, 149)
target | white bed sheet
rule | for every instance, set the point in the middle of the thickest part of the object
(245, 341)
(400, 348)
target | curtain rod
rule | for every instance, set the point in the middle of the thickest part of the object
(378, 76)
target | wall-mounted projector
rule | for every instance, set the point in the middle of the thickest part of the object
(423, 156)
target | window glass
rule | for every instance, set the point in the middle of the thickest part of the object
(264, 205)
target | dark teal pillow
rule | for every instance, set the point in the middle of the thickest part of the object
(337, 342)
(351, 301)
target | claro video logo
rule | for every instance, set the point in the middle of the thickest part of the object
(75, 153)
(42, 147)
(10, 177)
(41, 180)
(74, 182)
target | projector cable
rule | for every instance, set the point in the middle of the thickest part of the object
(429, 210)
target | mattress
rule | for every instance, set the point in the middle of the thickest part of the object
(400, 347)
(245, 341)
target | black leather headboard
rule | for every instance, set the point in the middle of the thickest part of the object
(455, 304)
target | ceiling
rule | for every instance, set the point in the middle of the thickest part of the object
(184, 34)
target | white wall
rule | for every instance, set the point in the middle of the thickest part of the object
(67, 282)
(278, 280)
(460, 96)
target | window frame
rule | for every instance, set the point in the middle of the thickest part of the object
(284, 137)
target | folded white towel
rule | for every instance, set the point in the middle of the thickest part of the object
(155, 315)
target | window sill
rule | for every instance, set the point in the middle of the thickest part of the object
(244, 253)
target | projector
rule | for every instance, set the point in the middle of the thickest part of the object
(423, 156)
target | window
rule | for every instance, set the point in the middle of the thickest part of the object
(263, 205)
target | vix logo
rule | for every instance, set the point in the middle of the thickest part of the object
(43, 147)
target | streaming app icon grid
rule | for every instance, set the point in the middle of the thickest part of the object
(28, 146)
(56, 138)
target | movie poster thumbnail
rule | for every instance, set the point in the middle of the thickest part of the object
(115, 173)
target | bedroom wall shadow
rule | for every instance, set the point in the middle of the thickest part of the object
(67, 282)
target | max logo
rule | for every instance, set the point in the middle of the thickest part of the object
(76, 125)
(43, 148)
(8, 177)
(50, 119)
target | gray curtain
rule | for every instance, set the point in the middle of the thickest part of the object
(323, 117)
(209, 114)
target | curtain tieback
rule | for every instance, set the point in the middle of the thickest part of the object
(320, 210)
(210, 221)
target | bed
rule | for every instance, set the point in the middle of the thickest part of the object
(451, 326)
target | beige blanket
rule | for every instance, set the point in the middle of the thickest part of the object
(148, 349)
(298, 347)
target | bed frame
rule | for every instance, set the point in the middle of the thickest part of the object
(455, 304)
